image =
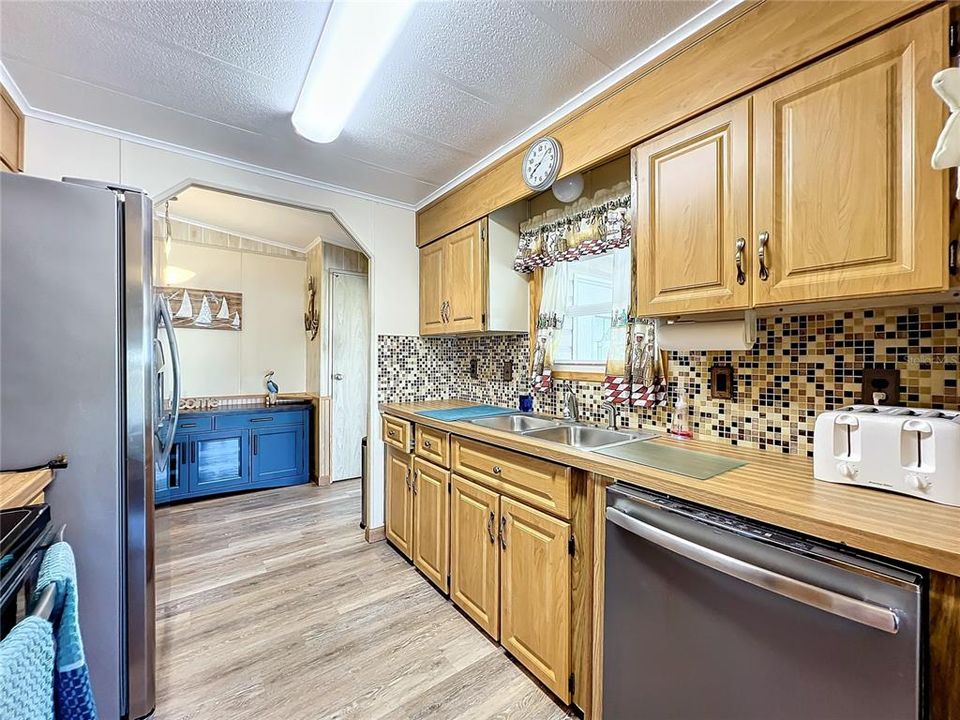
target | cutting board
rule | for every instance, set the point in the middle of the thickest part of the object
(691, 463)
(466, 413)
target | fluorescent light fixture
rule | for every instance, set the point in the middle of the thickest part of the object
(355, 39)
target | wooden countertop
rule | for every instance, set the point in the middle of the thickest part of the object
(18, 489)
(771, 488)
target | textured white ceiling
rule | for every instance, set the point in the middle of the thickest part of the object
(222, 76)
(271, 222)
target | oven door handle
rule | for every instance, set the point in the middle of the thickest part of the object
(859, 611)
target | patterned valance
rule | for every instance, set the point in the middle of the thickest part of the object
(587, 227)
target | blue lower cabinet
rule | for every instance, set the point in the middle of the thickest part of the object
(216, 453)
(278, 454)
(219, 461)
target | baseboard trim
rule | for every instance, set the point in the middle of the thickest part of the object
(376, 534)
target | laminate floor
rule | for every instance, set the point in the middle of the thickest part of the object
(271, 605)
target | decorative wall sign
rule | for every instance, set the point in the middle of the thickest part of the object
(204, 309)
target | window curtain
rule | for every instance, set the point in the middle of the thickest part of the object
(634, 374)
(549, 323)
(587, 227)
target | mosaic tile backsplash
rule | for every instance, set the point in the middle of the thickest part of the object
(801, 366)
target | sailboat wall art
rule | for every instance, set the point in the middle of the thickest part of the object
(204, 309)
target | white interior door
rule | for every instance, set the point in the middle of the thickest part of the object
(349, 371)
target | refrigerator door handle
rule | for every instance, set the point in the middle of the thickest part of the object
(167, 426)
(859, 611)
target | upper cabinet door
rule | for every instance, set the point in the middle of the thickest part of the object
(464, 276)
(692, 195)
(846, 203)
(431, 289)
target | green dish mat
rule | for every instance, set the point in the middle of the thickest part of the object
(691, 463)
(466, 413)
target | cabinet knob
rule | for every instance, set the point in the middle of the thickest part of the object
(392, 433)
(427, 444)
(762, 241)
(497, 470)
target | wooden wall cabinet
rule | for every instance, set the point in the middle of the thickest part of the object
(398, 479)
(11, 134)
(467, 281)
(692, 198)
(431, 529)
(844, 201)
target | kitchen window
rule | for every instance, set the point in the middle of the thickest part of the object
(585, 335)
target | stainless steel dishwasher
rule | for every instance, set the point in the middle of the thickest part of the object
(711, 617)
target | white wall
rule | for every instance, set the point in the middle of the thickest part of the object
(385, 232)
(224, 362)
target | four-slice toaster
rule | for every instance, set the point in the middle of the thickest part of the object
(914, 451)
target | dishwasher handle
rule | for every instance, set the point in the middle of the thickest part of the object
(859, 611)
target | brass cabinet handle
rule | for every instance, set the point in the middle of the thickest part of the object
(952, 261)
(407, 480)
(503, 531)
(490, 521)
(741, 275)
(427, 444)
(444, 317)
(415, 476)
(497, 470)
(762, 255)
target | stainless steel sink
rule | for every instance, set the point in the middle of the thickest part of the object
(585, 437)
(518, 423)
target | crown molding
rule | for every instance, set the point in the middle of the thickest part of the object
(671, 39)
(30, 111)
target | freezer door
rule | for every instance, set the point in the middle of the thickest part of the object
(62, 387)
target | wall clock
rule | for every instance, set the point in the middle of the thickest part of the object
(541, 164)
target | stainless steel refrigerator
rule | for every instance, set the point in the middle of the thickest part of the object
(80, 375)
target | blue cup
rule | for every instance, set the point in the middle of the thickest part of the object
(526, 403)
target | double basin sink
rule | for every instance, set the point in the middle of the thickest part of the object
(575, 435)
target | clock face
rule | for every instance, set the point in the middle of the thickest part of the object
(541, 165)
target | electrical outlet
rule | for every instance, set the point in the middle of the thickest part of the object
(721, 382)
(879, 380)
(474, 369)
(507, 372)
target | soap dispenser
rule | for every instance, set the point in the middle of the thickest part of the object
(680, 426)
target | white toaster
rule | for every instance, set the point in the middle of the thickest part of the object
(913, 451)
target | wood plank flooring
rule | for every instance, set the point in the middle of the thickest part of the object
(271, 605)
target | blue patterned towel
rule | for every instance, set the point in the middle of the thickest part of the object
(74, 697)
(26, 671)
(467, 413)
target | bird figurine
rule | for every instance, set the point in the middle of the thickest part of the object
(272, 388)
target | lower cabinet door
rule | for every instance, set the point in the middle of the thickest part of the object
(398, 476)
(278, 454)
(475, 553)
(172, 481)
(431, 513)
(219, 460)
(535, 593)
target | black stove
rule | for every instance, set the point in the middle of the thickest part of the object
(24, 534)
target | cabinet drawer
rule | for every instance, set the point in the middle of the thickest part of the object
(191, 424)
(396, 432)
(433, 445)
(258, 419)
(539, 483)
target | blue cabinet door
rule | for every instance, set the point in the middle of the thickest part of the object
(172, 482)
(219, 461)
(279, 454)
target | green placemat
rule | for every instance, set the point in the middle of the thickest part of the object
(691, 463)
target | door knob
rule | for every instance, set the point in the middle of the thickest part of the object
(338, 376)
